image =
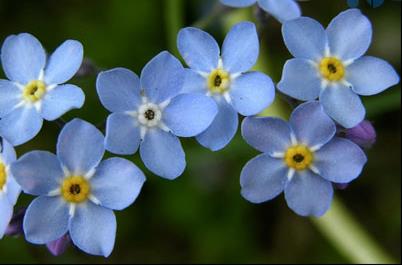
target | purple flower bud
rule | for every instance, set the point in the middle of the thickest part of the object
(15, 226)
(59, 246)
(363, 134)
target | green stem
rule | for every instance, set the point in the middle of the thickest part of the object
(174, 21)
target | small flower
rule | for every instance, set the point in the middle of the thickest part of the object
(9, 189)
(34, 91)
(364, 134)
(330, 65)
(150, 113)
(223, 77)
(301, 158)
(77, 192)
(282, 10)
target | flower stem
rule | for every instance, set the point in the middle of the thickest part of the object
(173, 21)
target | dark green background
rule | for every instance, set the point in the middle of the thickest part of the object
(201, 217)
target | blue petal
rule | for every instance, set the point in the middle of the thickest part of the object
(349, 34)
(13, 190)
(263, 178)
(38, 172)
(222, 129)
(241, 48)
(268, 135)
(251, 93)
(64, 62)
(10, 96)
(163, 154)
(23, 58)
(80, 146)
(122, 134)
(7, 151)
(238, 3)
(21, 125)
(162, 78)
(308, 194)
(343, 105)
(340, 161)
(283, 10)
(370, 76)
(46, 220)
(199, 49)
(305, 38)
(61, 100)
(119, 90)
(93, 229)
(300, 80)
(6, 212)
(190, 114)
(117, 183)
(311, 125)
(194, 82)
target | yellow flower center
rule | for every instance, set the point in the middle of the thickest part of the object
(218, 81)
(299, 157)
(75, 189)
(332, 69)
(3, 176)
(34, 91)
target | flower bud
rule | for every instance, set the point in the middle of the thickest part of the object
(15, 226)
(59, 246)
(363, 134)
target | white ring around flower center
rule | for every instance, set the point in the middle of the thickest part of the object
(149, 115)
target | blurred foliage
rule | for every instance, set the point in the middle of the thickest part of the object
(201, 217)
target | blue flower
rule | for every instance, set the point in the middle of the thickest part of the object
(34, 91)
(330, 65)
(282, 10)
(150, 113)
(301, 158)
(223, 77)
(9, 189)
(77, 192)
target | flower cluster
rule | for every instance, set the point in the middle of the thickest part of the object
(77, 193)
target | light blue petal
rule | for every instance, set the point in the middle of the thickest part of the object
(308, 194)
(283, 10)
(119, 90)
(238, 3)
(190, 114)
(163, 154)
(38, 172)
(349, 34)
(117, 183)
(311, 125)
(194, 82)
(80, 146)
(23, 58)
(241, 48)
(251, 93)
(340, 161)
(13, 190)
(46, 220)
(7, 151)
(61, 100)
(21, 125)
(162, 78)
(370, 76)
(93, 229)
(222, 129)
(122, 134)
(6, 212)
(343, 105)
(64, 62)
(268, 135)
(305, 38)
(199, 49)
(10, 96)
(300, 80)
(263, 178)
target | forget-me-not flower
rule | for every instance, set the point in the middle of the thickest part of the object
(301, 158)
(282, 10)
(77, 192)
(330, 65)
(9, 189)
(150, 113)
(224, 77)
(34, 91)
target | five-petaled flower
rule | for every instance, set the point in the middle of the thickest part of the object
(283, 10)
(33, 91)
(223, 77)
(77, 192)
(330, 65)
(150, 113)
(302, 158)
